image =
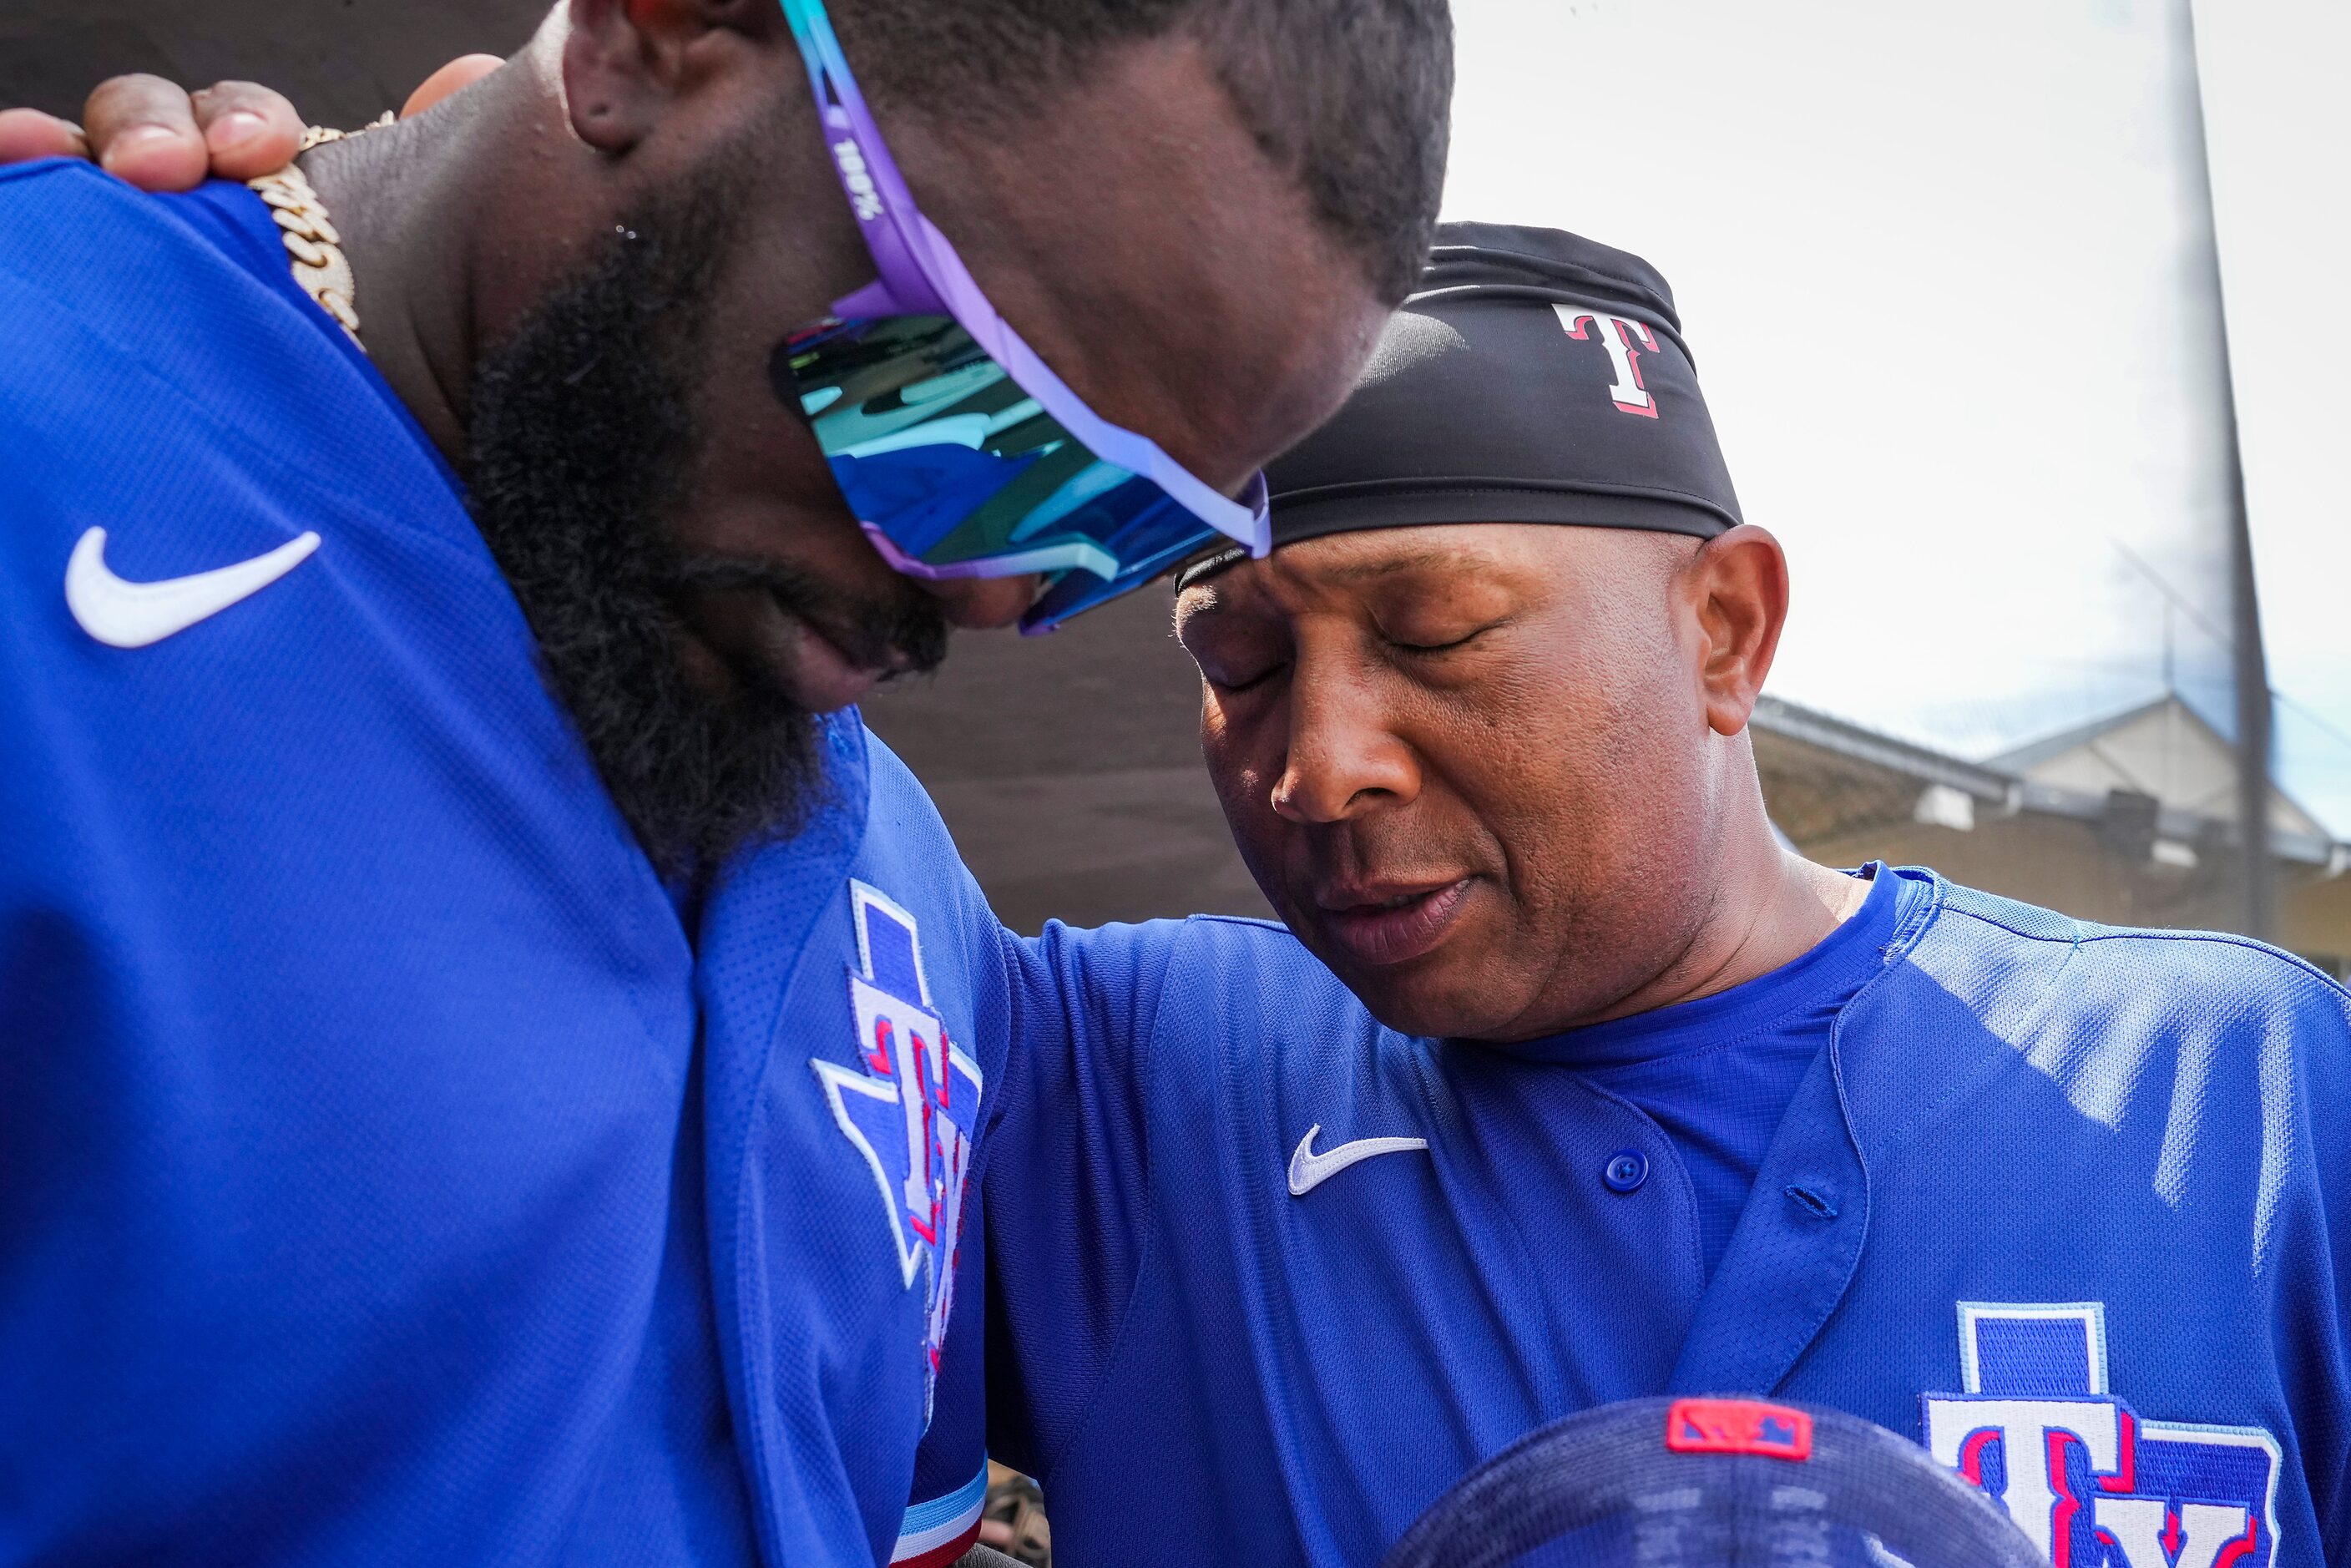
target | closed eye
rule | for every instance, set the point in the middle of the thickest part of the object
(1461, 642)
(1244, 684)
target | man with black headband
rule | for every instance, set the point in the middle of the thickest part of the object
(1566, 1085)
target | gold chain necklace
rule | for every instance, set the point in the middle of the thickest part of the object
(321, 270)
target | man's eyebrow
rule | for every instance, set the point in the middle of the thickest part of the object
(1430, 558)
(1389, 566)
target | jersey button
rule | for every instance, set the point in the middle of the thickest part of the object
(1626, 1170)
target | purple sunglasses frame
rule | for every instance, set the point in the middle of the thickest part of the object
(921, 275)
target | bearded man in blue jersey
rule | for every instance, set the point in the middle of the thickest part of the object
(491, 1068)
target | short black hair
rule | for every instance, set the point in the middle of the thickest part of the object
(1350, 97)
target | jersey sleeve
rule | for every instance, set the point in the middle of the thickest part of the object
(950, 1484)
(941, 1526)
(2323, 1046)
(1066, 1191)
(1062, 1176)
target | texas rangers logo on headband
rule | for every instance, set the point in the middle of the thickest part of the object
(2091, 1482)
(911, 1105)
(1617, 335)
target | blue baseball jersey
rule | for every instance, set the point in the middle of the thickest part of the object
(2066, 1204)
(387, 1173)
(1715, 1074)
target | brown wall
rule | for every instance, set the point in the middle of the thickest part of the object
(342, 61)
(1845, 813)
(1069, 768)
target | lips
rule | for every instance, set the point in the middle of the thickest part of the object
(767, 643)
(824, 674)
(1392, 922)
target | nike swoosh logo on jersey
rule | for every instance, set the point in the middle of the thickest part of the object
(1309, 1170)
(134, 614)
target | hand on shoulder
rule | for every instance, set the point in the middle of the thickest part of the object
(159, 136)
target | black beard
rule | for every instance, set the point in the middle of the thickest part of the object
(584, 431)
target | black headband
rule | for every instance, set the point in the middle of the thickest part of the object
(1535, 378)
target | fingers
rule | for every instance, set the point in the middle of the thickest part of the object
(27, 133)
(158, 137)
(142, 130)
(462, 72)
(248, 129)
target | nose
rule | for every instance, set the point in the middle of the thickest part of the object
(984, 603)
(1345, 757)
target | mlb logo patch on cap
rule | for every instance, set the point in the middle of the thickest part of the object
(1739, 1426)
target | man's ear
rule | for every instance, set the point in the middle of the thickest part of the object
(625, 62)
(1740, 585)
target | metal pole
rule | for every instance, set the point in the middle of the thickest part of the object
(2250, 667)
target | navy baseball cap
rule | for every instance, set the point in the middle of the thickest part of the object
(1534, 377)
(1710, 1483)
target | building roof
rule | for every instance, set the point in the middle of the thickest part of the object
(2163, 748)
(2160, 750)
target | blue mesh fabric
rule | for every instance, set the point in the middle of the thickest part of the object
(1716, 1075)
(2015, 1110)
(451, 1212)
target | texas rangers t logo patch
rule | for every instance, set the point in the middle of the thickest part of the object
(911, 1106)
(2091, 1482)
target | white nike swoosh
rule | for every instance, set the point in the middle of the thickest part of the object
(134, 614)
(1309, 1170)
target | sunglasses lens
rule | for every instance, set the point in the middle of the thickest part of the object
(937, 449)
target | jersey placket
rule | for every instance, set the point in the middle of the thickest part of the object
(1797, 1244)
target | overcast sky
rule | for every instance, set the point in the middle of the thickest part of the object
(1945, 273)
